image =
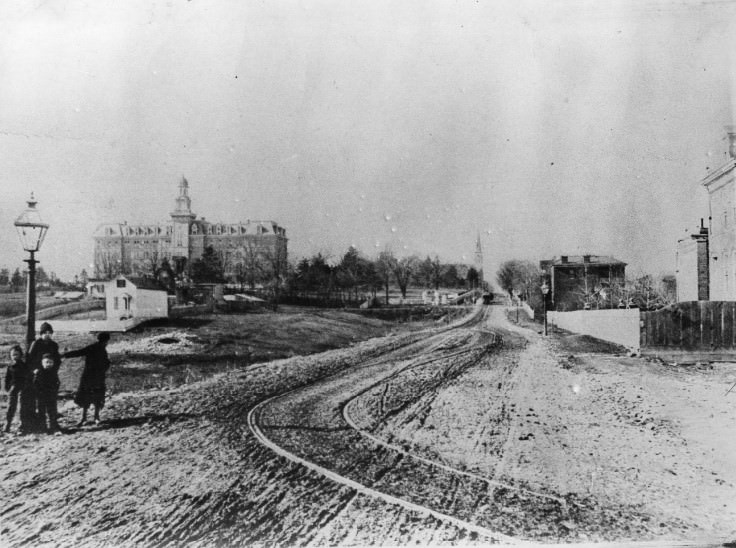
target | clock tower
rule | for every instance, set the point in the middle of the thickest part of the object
(182, 217)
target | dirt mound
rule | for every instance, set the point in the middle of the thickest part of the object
(173, 342)
(573, 342)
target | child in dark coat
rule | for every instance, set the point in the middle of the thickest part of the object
(44, 344)
(46, 383)
(18, 386)
(92, 383)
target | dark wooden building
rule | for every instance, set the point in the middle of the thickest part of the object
(580, 282)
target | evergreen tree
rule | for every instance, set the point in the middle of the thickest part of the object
(472, 277)
(348, 271)
(16, 281)
(208, 268)
(165, 275)
(449, 276)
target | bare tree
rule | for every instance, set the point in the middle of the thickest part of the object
(253, 266)
(436, 272)
(108, 266)
(403, 269)
(519, 278)
(645, 292)
(150, 263)
(278, 263)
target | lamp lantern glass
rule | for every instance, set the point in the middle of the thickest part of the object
(31, 229)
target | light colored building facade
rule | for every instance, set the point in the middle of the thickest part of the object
(250, 251)
(721, 187)
(138, 298)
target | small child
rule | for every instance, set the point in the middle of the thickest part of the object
(46, 382)
(18, 385)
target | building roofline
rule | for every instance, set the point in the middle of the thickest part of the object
(578, 260)
(717, 173)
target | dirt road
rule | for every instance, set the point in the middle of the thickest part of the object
(517, 441)
(476, 433)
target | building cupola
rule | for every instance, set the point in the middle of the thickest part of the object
(183, 211)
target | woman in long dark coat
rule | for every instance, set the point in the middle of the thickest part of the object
(92, 383)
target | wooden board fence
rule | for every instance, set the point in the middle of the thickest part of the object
(705, 328)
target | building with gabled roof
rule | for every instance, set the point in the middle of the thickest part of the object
(129, 297)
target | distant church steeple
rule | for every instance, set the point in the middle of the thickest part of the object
(479, 260)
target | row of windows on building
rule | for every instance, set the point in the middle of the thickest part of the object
(139, 230)
(212, 230)
(227, 256)
(236, 230)
(233, 243)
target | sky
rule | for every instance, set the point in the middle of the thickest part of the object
(546, 127)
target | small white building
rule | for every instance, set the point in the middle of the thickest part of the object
(127, 297)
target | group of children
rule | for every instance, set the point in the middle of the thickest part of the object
(34, 383)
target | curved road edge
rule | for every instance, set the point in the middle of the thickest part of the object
(258, 433)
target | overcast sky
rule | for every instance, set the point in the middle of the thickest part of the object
(547, 127)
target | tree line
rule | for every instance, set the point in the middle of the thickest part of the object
(355, 275)
(18, 280)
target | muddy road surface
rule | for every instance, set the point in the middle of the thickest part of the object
(473, 433)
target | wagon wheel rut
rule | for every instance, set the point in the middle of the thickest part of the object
(313, 426)
(343, 427)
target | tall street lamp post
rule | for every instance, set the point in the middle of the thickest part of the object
(31, 230)
(545, 290)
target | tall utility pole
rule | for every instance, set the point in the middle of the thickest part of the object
(479, 261)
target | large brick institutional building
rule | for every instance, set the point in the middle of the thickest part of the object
(250, 251)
